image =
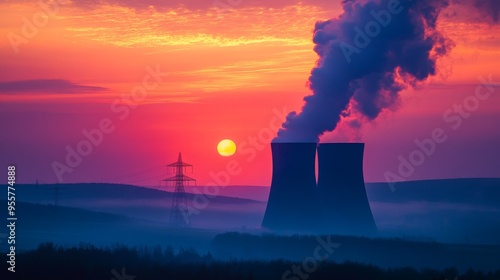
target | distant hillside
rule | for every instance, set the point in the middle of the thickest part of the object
(44, 193)
(484, 191)
(50, 216)
(258, 193)
(147, 204)
(454, 210)
(71, 226)
(39, 223)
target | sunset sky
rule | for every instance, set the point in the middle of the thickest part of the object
(224, 73)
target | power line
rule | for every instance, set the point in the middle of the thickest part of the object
(143, 171)
(142, 179)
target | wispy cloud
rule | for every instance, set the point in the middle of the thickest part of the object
(46, 86)
(245, 26)
(197, 4)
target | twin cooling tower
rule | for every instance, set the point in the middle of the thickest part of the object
(337, 203)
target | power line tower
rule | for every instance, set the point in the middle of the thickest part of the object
(179, 214)
(37, 192)
(57, 193)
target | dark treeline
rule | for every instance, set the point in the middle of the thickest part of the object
(49, 261)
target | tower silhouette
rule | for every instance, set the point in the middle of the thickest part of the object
(56, 188)
(337, 203)
(342, 191)
(293, 203)
(179, 213)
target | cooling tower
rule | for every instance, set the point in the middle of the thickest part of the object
(293, 202)
(342, 191)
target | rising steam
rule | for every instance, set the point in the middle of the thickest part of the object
(367, 56)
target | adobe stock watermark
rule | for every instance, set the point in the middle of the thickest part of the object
(372, 29)
(121, 107)
(310, 264)
(454, 119)
(248, 148)
(31, 26)
(122, 276)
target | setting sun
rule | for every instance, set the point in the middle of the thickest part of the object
(226, 147)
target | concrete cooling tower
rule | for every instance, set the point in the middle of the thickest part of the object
(336, 204)
(342, 189)
(292, 204)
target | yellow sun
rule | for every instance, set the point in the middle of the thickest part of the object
(226, 147)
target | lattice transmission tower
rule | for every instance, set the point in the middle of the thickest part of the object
(179, 213)
(57, 193)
